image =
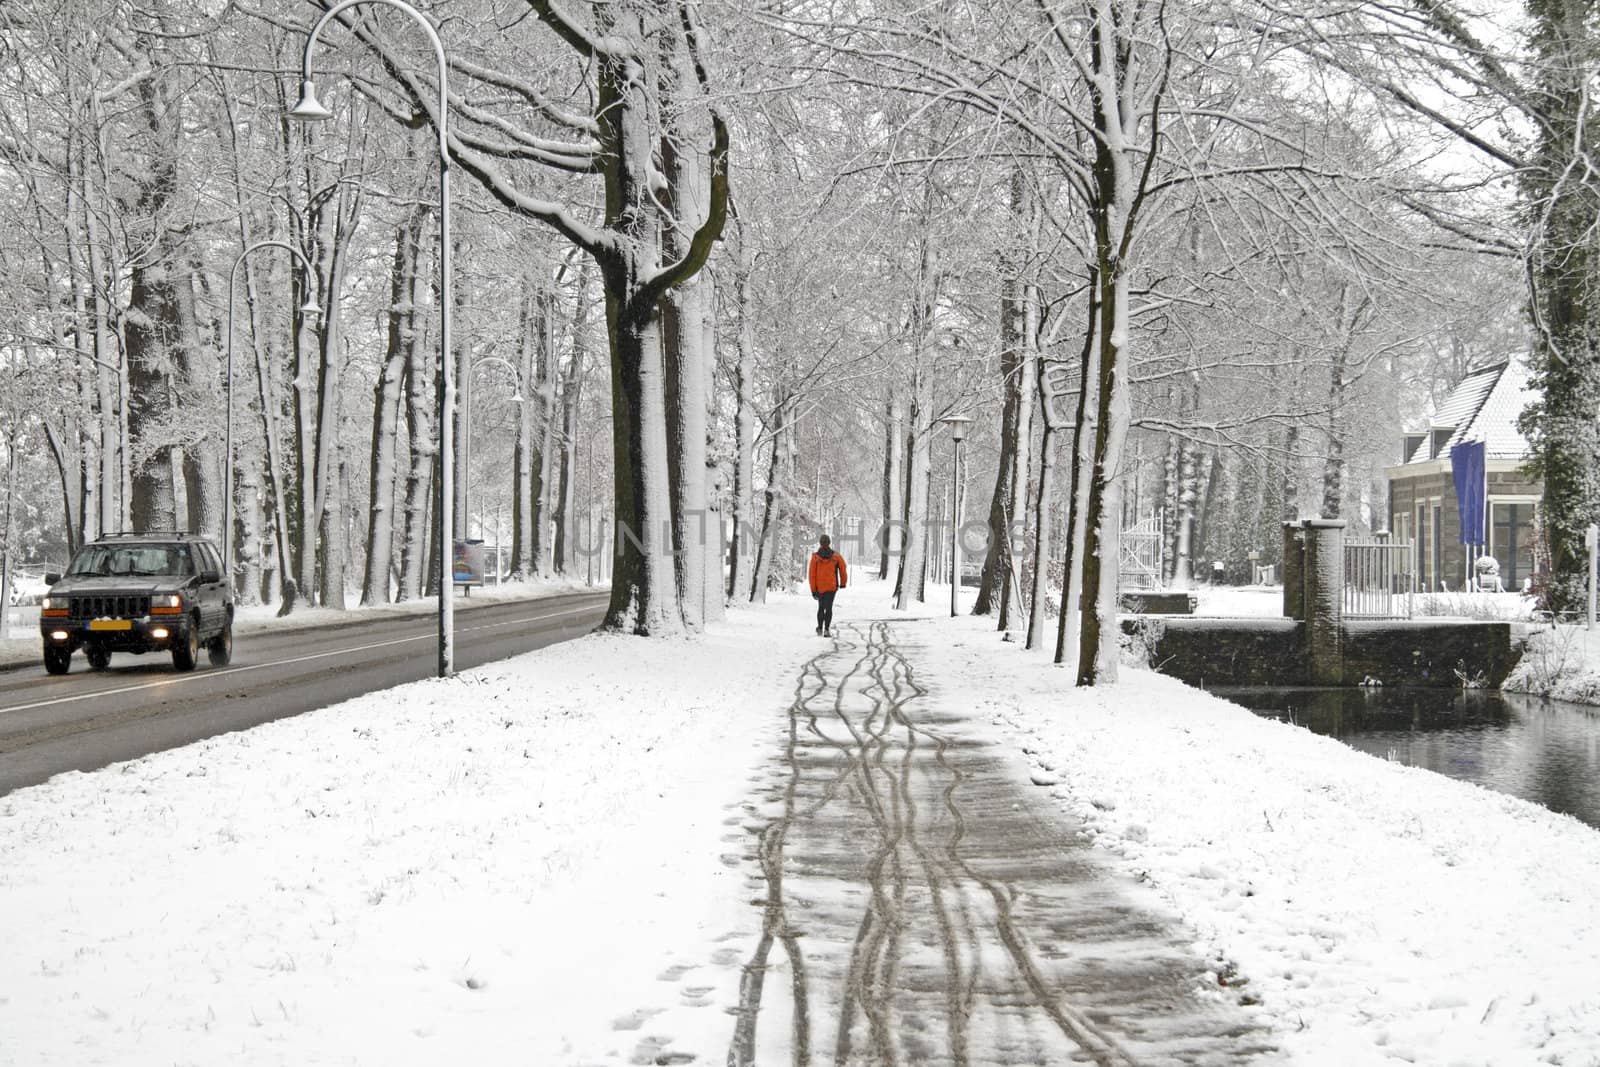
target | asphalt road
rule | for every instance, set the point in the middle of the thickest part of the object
(88, 719)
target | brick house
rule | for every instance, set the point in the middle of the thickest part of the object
(1422, 495)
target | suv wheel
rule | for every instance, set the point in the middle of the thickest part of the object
(57, 660)
(99, 658)
(221, 647)
(185, 656)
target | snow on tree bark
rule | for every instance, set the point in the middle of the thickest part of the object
(740, 552)
(1017, 384)
(382, 482)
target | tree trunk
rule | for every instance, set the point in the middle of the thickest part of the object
(643, 581)
(740, 555)
(423, 446)
(249, 559)
(1289, 488)
(1003, 503)
(1097, 647)
(461, 413)
(319, 372)
(381, 479)
(1069, 626)
(544, 463)
(1044, 499)
(912, 582)
(636, 275)
(1562, 198)
(772, 510)
(891, 538)
(152, 328)
(1333, 466)
(687, 361)
(334, 554)
(1016, 376)
(1188, 492)
(524, 454)
(566, 558)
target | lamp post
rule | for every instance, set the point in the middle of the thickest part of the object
(307, 308)
(309, 109)
(466, 431)
(958, 431)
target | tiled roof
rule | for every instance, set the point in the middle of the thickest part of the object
(1484, 407)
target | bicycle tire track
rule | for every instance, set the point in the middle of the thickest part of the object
(950, 917)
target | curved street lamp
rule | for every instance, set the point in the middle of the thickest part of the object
(309, 307)
(309, 109)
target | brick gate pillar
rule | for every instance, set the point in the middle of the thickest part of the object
(1323, 581)
(1294, 569)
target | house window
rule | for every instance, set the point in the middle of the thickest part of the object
(1513, 542)
(1435, 533)
(1424, 577)
(1441, 438)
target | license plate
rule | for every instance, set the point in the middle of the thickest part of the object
(110, 624)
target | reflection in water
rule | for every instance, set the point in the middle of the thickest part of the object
(1542, 751)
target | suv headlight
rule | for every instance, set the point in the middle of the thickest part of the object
(166, 604)
(52, 607)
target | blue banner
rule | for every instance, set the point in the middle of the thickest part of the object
(1467, 465)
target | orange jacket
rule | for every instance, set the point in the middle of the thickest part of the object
(828, 574)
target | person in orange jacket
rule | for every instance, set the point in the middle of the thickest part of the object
(828, 575)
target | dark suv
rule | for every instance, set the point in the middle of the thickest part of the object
(139, 593)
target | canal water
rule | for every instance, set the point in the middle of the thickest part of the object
(1542, 751)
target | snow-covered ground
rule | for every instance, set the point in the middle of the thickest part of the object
(1562, 662)
(1239, 601)
(1242, 601)
(490, 869)
(1379, 913)
(541, 862)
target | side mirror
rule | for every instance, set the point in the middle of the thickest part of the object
(210, 577)
(51, 578)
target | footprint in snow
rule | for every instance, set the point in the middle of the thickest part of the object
(634, 1019)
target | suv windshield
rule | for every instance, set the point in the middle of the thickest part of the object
(127, 560)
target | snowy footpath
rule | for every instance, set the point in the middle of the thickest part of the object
(552, 861)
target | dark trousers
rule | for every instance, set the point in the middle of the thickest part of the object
(825, 608)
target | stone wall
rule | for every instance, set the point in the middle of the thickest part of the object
(1429, 652)
(1314, 645)
(1273, 652)
(1210, 652)
(1151, 602)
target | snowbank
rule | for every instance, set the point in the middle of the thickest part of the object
(1242, 601)
(535, 860)
(1378, 913)
(1562, 662)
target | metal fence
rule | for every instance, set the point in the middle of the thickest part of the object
(1379, 579)
(1143, 562)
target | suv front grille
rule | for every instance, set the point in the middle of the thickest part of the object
(110, 607)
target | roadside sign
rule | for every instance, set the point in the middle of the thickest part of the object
(467, 565)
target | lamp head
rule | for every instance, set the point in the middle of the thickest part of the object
(958, 426)
(311, 307)
(517, 397)
(308, 108)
